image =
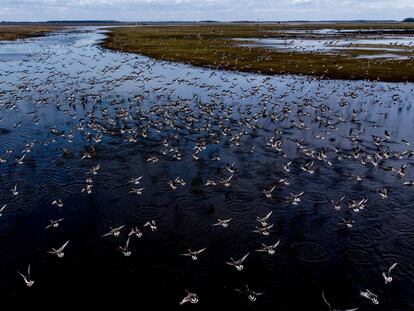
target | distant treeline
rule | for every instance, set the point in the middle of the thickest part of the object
(114, 22)
(67, 22)
(84, 22)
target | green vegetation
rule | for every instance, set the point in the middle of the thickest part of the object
(13, 32)
(211, 45)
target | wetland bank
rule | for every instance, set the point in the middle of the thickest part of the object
(14, 32)
(363, 54)
(142, 178)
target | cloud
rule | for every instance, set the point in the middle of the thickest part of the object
(135, 10)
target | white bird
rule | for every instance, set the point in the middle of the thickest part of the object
(113, 231)
(59, 252)
(349, 223)
(356, 206)
(137, 191)
(387, 276)
(172, 184)
(383, 193)
(135, 232)
(26, 278)
(251, 294)
(263, 220)
(231, 167)
(210, 183)
(125, 249)
(54, 223)
(136, 181)
(337, 204)
(20, 160)
(238, 264)
(370, 295)
(58, 203)
(284, 181)
(226, 181)
(265, 230)
(152, 225)
(14, 190)
(194, 254)
(295, 198)
(94, 170)
(87, 189)
(270, 249)
(268, 193)
(189, 298)
(308, 167)
(222, 222)
(286, 166)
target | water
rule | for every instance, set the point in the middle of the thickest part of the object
(341, 32)
(401, 46)
(63, 90)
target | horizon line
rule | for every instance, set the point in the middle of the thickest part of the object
(200, 21)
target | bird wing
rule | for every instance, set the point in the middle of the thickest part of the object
(276, 244)
(392, 267)
(185, 299)
(326, 301)
(201, 250)
(243, 258)
(21, 274)
(62, 247)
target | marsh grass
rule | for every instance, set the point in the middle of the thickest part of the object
(13, 32)
(212, 45)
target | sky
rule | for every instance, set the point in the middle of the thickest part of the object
(186, 10)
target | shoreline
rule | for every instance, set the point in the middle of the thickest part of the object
(211, 46)
(15, 32)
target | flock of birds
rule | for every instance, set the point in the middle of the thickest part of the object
(213, 125)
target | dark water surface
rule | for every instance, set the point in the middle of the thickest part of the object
(64, 92)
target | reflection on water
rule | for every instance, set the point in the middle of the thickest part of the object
(341, 32)
(89, 119)
(331, 41)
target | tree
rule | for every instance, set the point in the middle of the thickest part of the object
(409, 20)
